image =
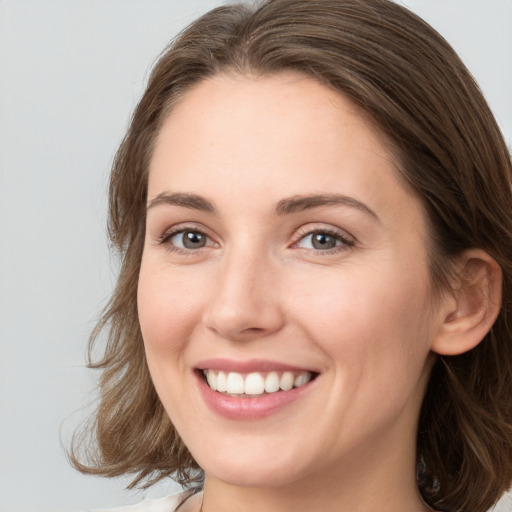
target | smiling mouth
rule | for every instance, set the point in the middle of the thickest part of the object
(255, 384)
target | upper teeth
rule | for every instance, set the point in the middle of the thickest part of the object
(255, 383)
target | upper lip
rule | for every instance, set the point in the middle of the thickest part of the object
(248, 366)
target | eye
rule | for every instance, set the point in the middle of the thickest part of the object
(324, 240)
(189, 240)
(186, 239)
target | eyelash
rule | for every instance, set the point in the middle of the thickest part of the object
(176, 230)
(346, 242)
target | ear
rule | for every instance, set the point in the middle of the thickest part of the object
(468, 313)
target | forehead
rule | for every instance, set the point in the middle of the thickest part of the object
(288, 115)
(234, 138)
(223, 100)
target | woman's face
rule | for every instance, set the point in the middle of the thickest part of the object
(282, 252)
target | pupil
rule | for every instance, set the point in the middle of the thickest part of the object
(193, 240)
(323, 241)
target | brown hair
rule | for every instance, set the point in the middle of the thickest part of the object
(414, 87)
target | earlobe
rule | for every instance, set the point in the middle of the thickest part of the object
(472, 308)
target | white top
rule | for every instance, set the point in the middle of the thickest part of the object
(504, 505)
(169, 504)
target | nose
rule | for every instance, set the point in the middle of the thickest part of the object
(245, 303)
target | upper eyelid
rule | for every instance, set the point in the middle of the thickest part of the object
(185, 226)
(308, 229)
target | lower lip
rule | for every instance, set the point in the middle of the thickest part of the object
(240, 408)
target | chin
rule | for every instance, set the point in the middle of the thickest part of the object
(253, 477)
(261, 469)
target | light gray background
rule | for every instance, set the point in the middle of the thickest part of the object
(71, 72)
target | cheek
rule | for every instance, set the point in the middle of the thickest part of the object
(167, 317)
(367, 315)
(168, 311)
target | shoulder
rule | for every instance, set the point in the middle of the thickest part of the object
(166, 504)
(504, 505)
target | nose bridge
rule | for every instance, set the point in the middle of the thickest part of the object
(243, 304)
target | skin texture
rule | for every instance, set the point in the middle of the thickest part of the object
(360, 315)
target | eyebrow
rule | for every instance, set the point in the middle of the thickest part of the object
(191, 201)
(283, 207)
(300, 203)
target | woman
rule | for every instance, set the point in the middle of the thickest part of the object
(313, 207)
